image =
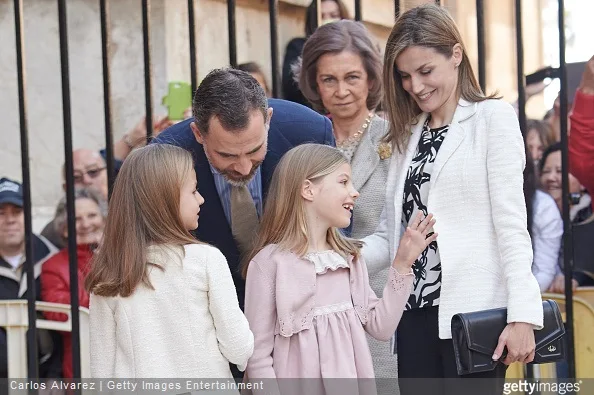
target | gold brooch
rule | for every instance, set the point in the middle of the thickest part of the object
(384, 150)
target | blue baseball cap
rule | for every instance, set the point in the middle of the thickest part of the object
(11, 192)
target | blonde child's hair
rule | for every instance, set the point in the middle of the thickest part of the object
(284, 221)
(144, 210)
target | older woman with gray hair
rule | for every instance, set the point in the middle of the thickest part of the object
(340, 74)
(91, 212)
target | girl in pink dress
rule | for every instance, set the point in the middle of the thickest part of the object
(308, 299)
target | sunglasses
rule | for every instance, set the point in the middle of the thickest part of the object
(93, 173)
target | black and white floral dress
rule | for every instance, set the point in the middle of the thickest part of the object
(427, 268)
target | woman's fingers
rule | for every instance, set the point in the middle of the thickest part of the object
(529, 358)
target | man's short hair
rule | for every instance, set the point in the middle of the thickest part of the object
(231, 95)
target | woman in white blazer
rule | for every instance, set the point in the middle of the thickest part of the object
(458, 155)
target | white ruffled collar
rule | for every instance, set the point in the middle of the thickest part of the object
(326, 260)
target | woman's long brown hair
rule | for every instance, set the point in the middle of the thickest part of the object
(428, 26)
(143, 211)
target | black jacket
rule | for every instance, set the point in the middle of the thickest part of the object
(13, 285)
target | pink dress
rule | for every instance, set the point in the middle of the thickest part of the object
(335, 346)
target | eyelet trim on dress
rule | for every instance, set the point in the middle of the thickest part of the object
(398, 283)
(288, 327)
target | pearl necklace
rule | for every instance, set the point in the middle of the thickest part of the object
(357, 135)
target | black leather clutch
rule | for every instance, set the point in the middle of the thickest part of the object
(475, 336)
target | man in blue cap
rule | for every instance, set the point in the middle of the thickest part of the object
(13, 278)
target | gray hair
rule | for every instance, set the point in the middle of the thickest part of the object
(61, 217)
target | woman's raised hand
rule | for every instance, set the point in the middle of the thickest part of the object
(414, 241)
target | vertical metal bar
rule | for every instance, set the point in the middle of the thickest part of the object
(192, 31)
(105, 39)
(148, 89)
(567, 234)
(32, 367)
(316, 8)
(273, 11)
(520, 67)
(358, 13)
(72, 256)
(480, 31)
(232, 33)
(396, 9)
(529, 369)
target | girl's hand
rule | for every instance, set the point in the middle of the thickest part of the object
(413, 242)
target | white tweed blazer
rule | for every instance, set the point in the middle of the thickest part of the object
(188, 326)
(476, 195)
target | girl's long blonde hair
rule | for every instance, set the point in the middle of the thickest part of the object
(284, 221)
(143, 211)
(429, 26)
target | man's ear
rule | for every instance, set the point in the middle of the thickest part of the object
(197, 135)
(269, 115)
(307, 190)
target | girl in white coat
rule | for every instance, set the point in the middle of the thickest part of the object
(163, 305)
(460, 155)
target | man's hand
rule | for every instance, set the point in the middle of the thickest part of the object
(587, 83)
(518, 338)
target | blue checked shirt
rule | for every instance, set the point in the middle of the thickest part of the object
(224, 191)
